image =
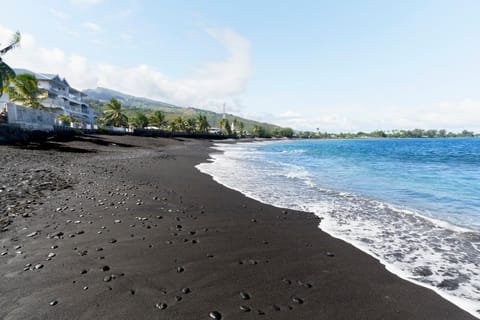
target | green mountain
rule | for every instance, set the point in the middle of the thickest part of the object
(100, 96)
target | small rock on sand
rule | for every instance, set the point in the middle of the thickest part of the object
(215, 315)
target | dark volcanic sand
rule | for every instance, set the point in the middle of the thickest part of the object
(127, 228)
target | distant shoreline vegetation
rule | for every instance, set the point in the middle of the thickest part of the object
(415, 133)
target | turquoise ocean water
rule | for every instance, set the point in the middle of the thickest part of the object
(414, 204)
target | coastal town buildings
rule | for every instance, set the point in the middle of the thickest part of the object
(62, 98)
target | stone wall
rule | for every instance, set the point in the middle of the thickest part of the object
(30, 119)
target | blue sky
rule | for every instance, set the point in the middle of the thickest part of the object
(332, 65)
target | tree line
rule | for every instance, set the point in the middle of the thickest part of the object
(415, 133)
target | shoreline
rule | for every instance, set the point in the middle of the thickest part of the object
(467, 305)
(183, 230)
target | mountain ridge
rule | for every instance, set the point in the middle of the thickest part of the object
(100, 96)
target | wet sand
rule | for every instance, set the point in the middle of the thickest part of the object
(126, 228)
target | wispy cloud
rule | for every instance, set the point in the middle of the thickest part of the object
(91, 26)
(60, 14)
(207, 86)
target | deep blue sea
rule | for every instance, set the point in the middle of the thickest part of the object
(414, 204)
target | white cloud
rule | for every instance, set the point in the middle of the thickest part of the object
(209, 84)
(449, 115)
(60, 14)
(92, 26)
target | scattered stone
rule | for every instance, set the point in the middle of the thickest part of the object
(55, 235)
(297, 300)
(330, 254)
(33, 234)
(85, 288)
(161, 306)
(51, 255)
(244, 295)
(215, 315)
(180, 269)
(286, 281)
(38, 266)
(4, 253)
(113, 240)
(53, 302)
(276, 308)
(178, 298)
(186, 290)
(107, 278)
(117, 221)
(260, 312)
(245, 308)
(54, 246)
(84, 271)
(105, 268)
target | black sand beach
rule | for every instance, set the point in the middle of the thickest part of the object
(125, 227)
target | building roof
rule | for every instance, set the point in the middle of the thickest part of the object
(46, 77)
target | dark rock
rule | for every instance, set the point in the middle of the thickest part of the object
(297, 300)
(215, 315)
(244, 295)
(245, 308)
(161, 306)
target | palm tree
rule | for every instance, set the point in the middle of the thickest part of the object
(114, 114)
(224, 124)
(140, 120)
(178, 124)
(190, 125)
(26, 92)
(202, 123)
(241, 127)
(157, 119)
(7, 73)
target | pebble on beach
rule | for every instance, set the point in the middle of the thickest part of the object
(215, 315)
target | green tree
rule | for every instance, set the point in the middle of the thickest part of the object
(26, 92)
(241, 127)
(224, 125)
(139, 120)
(260, 132)
(202, 123)
(6, 73)
(114, 115)
(190, 125)
(67, 120)
(157, 119)
(177, 124)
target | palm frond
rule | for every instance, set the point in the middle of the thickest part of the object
(13, 43)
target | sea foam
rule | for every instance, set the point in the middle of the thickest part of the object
(421, 249)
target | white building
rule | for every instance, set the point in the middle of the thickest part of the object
(62, 97)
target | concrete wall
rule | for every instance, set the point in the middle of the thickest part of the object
(28, 118)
